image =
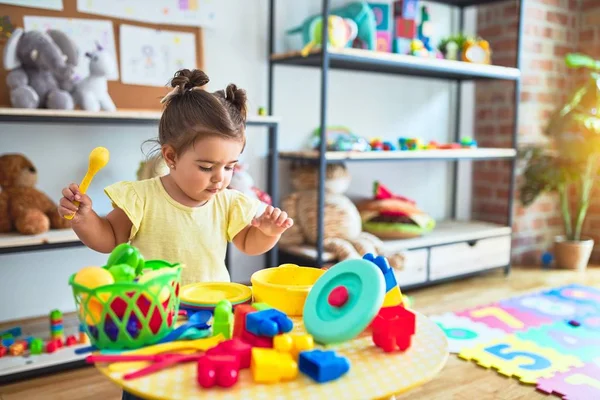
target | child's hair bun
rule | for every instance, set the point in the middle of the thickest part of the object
(187, 79)
(237, 97)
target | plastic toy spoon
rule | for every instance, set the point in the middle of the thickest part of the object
(98, 160)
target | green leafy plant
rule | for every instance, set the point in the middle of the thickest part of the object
(570, 163)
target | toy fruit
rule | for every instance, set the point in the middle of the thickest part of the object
(122, 272)
(98, 160)
(93, 277)
(126, 254)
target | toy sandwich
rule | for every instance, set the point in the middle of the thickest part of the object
(389, 216)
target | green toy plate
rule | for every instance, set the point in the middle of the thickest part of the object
(344, 301)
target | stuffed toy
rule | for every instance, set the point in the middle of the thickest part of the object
(343, 235)
(389, 216)
(41, 69)
(22, 207)
(243, 182)
(91, 93)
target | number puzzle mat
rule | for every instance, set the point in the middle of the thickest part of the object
(548, 339)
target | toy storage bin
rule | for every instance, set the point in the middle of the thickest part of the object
(130, 315)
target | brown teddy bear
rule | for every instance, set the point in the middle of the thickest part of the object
(22, 207)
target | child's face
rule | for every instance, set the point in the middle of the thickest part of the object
(206, 168)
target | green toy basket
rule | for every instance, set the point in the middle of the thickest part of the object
(130, 315)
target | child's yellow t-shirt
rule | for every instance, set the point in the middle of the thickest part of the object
(193, 236)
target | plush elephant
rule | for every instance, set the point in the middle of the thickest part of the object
(41, 69)
(358, 11)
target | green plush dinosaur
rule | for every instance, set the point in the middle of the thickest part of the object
(359, 12)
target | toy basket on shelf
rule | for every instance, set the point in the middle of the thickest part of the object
(130, 315)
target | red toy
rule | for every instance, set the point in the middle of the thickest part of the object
(218, 369)
(393, 328)
(236, 347)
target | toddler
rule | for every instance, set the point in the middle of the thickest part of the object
(188, 215)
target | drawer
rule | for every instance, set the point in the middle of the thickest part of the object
(462, 258)
(415, 268)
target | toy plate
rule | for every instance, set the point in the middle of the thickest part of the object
(210, 293)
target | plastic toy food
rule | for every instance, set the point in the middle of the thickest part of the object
(122, 272)
(98, 160)
(93, 277)
(393, 217)
(126, 254)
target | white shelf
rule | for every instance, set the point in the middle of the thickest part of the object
(52, 237)
(445, 232)
(400, 64)
(433, 154)
(9, 114)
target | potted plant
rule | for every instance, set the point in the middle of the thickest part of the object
(569, 164)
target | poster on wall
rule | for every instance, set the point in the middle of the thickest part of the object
(85, 33)
(150, 56)
(45, 4)
(199, 13)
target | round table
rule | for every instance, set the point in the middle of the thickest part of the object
(373, 374)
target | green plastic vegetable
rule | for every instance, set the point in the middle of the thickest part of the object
(126, 254)
(223, 319)
(122, 272)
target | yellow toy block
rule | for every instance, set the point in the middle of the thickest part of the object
(293, 343)
(393, 297)
(271, 366)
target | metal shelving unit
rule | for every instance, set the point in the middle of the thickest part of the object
(327, 59)
(60, 239)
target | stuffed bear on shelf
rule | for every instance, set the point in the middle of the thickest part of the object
(343, 234)
(23, 208)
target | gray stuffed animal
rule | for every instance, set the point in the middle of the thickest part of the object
(41, 66)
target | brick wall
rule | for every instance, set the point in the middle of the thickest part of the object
(551, 29)
(589, 43)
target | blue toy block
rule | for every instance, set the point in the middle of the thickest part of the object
(8, 342)
(322, 365)
(268, 323)
(12, 332)
(384, 266)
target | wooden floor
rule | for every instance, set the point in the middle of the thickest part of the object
(458, 380)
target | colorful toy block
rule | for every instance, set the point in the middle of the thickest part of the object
(405, 28)
(71, 340)
(3, 351)
(268, 322)
(383, 42)
(236, 347)
(239, 314)
(383, 15)
(406, 8)
(271, 366)
(293, 343)
(223, 319)
(257, 341)
(261, 306)
(384, 266)
(218, 370)
(36, 346)
(393, 328)
(17, 349)
(323, 365)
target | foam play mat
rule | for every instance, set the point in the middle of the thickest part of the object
(548, 339)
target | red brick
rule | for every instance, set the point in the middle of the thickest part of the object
(561, 50)
(543, 65)
(504, 112)
(557, 18)
(550, 2)
(545, 97)
(490, 31)
(586, 35)
(589, 5)
(505, 45)
(532, 47)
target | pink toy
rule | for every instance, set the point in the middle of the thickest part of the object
(218, 370)
(579, 383)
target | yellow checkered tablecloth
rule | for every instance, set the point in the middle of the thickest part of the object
(373, 374)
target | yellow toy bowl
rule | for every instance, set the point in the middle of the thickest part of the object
(284, 287)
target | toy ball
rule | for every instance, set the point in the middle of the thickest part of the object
(93, 277)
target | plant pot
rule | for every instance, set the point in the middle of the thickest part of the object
(572, 254)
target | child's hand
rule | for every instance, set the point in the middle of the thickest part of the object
(67, 205)
(273, 222)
